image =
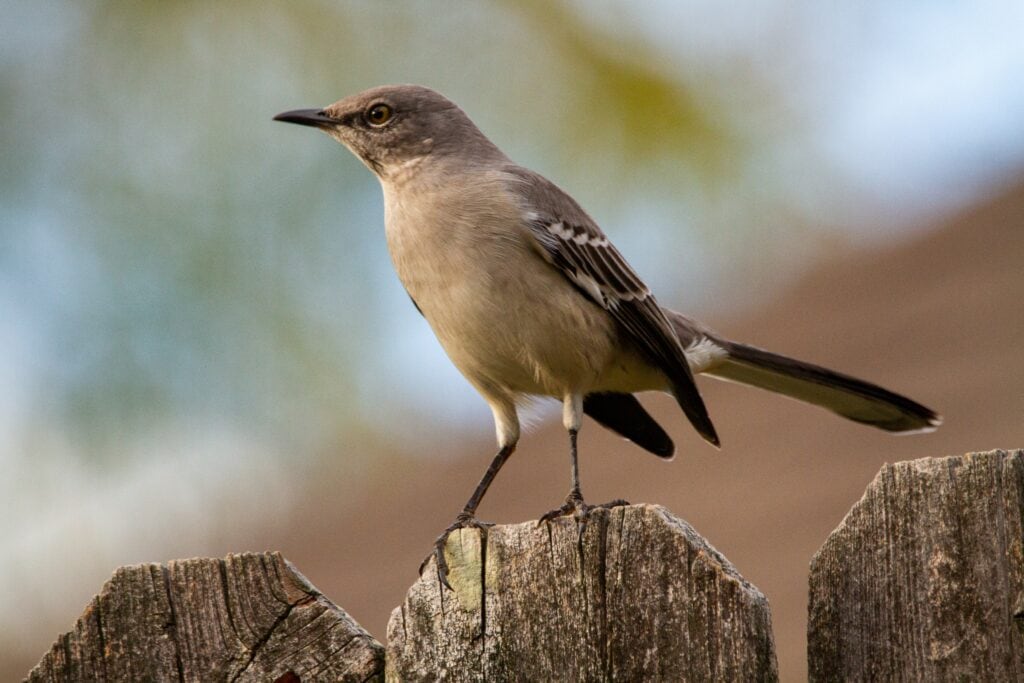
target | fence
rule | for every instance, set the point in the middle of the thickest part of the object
(923, 580)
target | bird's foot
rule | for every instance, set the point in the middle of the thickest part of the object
(465, 520)
(580, 510)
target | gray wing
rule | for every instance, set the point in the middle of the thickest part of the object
(571, 241)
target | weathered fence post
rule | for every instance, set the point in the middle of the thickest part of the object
(249, 617)
(924, 579)
(641, 596)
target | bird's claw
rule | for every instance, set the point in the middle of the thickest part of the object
(580, 510)
(465, 520)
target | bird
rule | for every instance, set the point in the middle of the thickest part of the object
(529, 297)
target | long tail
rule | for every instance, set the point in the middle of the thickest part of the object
(847, 396)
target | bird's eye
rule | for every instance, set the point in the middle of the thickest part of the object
(378, 114)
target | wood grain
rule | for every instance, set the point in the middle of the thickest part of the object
(924, 579)
(248, 617)
(640, 596)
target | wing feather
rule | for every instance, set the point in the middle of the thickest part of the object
(574, 244)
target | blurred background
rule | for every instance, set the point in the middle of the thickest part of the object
(203, 347)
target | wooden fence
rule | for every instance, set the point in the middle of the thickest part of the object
(923, 580)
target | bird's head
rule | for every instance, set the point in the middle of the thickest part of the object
(394, 126)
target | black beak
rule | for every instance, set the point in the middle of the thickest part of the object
(308, 117)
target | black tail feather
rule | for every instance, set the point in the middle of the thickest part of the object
(848, 396)
(623, 414)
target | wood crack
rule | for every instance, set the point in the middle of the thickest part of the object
(165, 574)
(483, 589)
(192, 620)
(222, 570)
(255, 650)
(101, 636)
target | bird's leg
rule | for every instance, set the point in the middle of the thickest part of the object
(574, 504)
(575, 494)
(574, 501)
(467, 518)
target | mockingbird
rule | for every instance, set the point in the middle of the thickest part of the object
(528, 296)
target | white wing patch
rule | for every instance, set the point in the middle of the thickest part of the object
(589, 260)
(560, 230)
(564, 232)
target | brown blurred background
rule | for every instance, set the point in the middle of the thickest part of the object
(204, 349)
